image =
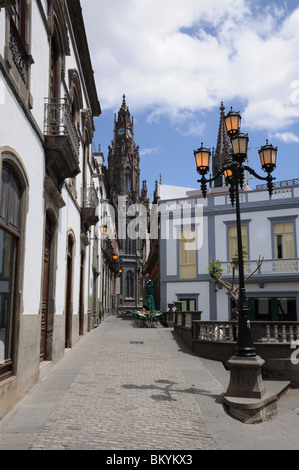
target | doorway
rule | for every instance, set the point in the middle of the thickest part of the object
(45, 296)
(81, 295)
(69, 292)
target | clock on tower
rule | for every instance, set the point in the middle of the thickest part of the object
(121, 131)
(123, 158)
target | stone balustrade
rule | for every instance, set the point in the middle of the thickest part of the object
(271, 331)
(276, 342)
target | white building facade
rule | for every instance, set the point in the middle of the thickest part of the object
(48, 204)
(194, 229)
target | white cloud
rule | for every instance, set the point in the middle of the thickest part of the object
(175, 58)
(150, 151)
(287, 137)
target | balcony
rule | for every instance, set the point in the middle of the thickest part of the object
(89, 204)
(108, 252)
(61, 141)
(270, 267)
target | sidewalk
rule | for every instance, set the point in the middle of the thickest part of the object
(128, 388)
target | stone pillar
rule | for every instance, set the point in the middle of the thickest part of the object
(246, 396)
(246, 377)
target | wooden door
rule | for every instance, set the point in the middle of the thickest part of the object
(69, 289)
(81, 297)
(45, 297)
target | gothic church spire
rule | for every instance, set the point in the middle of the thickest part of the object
(223, 149)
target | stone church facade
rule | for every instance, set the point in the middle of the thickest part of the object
(124, 180)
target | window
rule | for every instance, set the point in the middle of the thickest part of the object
(9, 249)
(286, 309)
(130, 246)
(18, 53)
(284, 240)
(188, 305)
(128, 180)
(262, 308)
(55, 70)
(59, 46)
(76, 104)
(187, 254)
(233, 240)
(116, 183)
(18, 17)
(272, 308)
(129, 284)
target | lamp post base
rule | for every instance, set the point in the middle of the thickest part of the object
(246, 396)
(246, 377)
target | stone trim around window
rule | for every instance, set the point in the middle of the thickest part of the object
(17, 57)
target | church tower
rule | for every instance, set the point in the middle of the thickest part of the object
(124, 182)
(123, 158)
(223, 149)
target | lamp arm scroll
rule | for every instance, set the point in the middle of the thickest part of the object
(204, 181)
(210, 180)
(269, 178)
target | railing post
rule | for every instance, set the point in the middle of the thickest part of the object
(284, 336)
(268, 335)
(276, 333)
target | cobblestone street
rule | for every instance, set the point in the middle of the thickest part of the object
(128, 388)
(129, 394)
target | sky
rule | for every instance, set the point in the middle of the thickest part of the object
(177, 61)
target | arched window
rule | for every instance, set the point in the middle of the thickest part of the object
(128, 180)
(10, 235)
(129, 284)
(76, 103)
(59, 45)
(130, 246)
(116, 183)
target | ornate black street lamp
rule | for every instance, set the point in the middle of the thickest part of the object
(233, 171)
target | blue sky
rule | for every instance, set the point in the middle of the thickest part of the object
(177, 61)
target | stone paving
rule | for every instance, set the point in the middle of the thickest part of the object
(129, 394)
(128, 388)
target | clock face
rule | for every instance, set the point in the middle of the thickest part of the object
(121, 131)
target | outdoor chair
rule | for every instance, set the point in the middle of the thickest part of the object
(139, 317)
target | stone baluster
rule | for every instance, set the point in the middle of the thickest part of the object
(284, 336)
(276, 333)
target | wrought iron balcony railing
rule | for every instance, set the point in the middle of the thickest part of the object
(19, 53)
(89, 197)
(89, 204)
(58, 122)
